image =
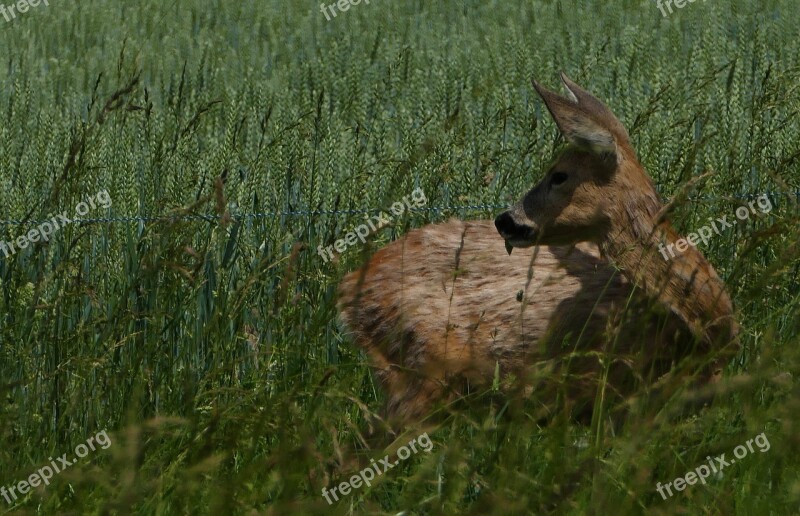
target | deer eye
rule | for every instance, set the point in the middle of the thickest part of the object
(557, 178)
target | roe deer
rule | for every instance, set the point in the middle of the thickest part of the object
(585, 298)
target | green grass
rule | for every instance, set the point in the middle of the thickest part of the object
(209, 348)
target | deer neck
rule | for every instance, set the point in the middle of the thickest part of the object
(685, 283)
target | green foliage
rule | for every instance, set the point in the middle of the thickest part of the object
(209, 347)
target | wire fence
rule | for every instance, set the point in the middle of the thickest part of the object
(317, 213)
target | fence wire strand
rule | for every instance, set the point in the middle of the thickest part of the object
(317, 213)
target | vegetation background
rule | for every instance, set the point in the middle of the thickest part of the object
(206, 342)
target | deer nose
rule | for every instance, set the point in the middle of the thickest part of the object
(506, 226)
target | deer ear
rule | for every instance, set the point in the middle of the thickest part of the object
(593, 105)
(576, 124)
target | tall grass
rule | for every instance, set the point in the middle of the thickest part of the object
(208, 345)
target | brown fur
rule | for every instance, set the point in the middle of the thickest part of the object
(584, 301)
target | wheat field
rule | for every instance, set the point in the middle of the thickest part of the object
(206, 151)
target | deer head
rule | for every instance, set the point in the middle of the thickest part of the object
(595, 185)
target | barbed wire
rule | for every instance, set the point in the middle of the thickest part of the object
(364, 211)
